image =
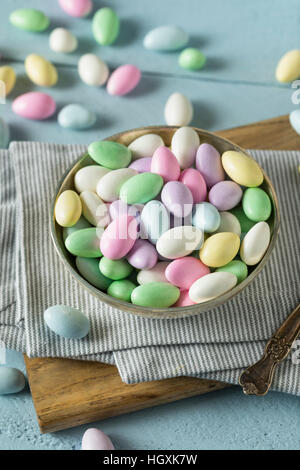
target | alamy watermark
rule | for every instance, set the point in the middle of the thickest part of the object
(2, 353)
(296, 94)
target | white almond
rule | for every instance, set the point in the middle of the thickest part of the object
(156, 274)
(211, 285)
(62, 40)
(94, 209)
(229, 223)
(145, 145)
(178, 110)
(179, 241)
(109, 186)
(255, 243)
(92, 70)
(86, 178)
(184, 145)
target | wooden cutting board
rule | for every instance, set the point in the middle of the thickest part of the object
(67, 393)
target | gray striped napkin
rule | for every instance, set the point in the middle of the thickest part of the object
(217, 344)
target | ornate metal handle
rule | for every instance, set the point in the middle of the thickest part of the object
(257, 379)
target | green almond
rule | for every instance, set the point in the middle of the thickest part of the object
(29, 19)
(110, 154)
(155, 294)
(89, 269)
(141, 188)
(82, 223)
(115, 269)
(256, 204)
(237, 267)
(191, 59)
(121, 290)
(84, 243)
(105, 26)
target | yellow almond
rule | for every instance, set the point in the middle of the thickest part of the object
(68, 208)
(242, 169)
(288, 68)
(219, 249)
(8, 76)
(40, 70)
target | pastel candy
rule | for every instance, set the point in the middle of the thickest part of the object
(121, 290)
(242, 169)
(183, 272)
(155, 274)
(255, 243)
(294, 118)
(11, 380)
(184, 299)
(62, 40)
(245, 223)
(76, 8)
(94, 439)
(115, 269)
(40, 70)
(211, 286)
(110, 185)
(145, 145)
(141, 165)
(206, 217)
(119, 207)
(164, 163)
(110, 154)
(4, 134)
(89, 270)
(166, 38)
(179, 241)
(76, 116)
(142, 255)
(105, 26)
(196, 184)
(208, 162)
(177, 198)
(178, 110)
(8, 77)
(34, 105)
(141, 188)
(85, 243)
(219, 249)
(87, 178)
(236, 267)
(229, 223)
(155, 295)
(82, 223)
(123, 80)
(67, 208)
(225, 195)
(184, 145)
(155, 220)
(119, 237)
(191, 59)
(257, 204)
(288, 68)
(92, 70)
(94, 209)
(29, 19)
(67, 321)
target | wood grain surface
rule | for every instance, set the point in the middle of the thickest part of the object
(67, 392)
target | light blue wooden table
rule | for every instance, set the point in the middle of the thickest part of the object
(243, 42)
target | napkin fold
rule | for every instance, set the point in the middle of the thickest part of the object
(217, 344)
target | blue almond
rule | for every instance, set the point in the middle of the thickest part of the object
(11, 380)
(67, 321)
(76, 116)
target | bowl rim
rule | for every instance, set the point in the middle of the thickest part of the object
(159, 313)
